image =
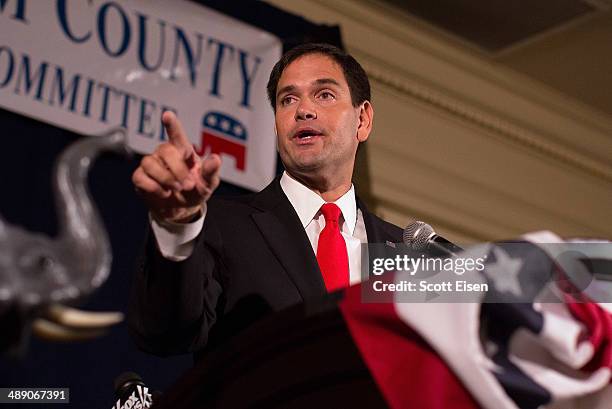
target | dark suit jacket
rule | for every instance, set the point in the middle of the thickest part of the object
(253, 257)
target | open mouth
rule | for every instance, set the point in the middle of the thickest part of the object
(306, 135)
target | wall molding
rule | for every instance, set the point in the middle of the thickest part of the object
(424, 93)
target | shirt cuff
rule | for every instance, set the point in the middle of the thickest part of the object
(176, 241)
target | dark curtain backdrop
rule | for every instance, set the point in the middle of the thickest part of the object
(29, 150)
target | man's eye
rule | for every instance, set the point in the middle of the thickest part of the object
(326, 95)
(286, 100)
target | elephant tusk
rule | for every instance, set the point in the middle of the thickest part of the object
(52, 331)
(78, 319)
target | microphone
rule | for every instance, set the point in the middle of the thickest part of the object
(131, 392)
(420, 236)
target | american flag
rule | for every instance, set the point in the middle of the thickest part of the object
(541, 337)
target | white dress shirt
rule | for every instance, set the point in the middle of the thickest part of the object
(176, 241)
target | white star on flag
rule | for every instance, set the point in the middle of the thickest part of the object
(504, 272)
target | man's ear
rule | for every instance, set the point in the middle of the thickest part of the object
(366, 116)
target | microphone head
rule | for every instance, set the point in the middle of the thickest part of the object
(417, 234)
(127, 379)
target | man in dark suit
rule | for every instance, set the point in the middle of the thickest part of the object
(213, 267)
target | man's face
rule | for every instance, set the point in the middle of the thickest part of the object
(318, 128)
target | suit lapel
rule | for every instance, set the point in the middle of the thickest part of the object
(281, 228)
(380, 242)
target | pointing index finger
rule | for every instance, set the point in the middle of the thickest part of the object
(176, 134)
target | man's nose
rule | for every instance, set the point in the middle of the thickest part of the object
(305, 111)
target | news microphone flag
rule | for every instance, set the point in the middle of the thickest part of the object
(131, 392)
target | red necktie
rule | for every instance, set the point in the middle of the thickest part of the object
(331, 250)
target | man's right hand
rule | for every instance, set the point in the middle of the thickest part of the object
(174, 181)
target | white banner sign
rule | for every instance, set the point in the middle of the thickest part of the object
(91, 65)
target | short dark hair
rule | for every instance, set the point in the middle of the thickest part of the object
(355, 75)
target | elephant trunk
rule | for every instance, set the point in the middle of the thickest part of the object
(82, 237)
